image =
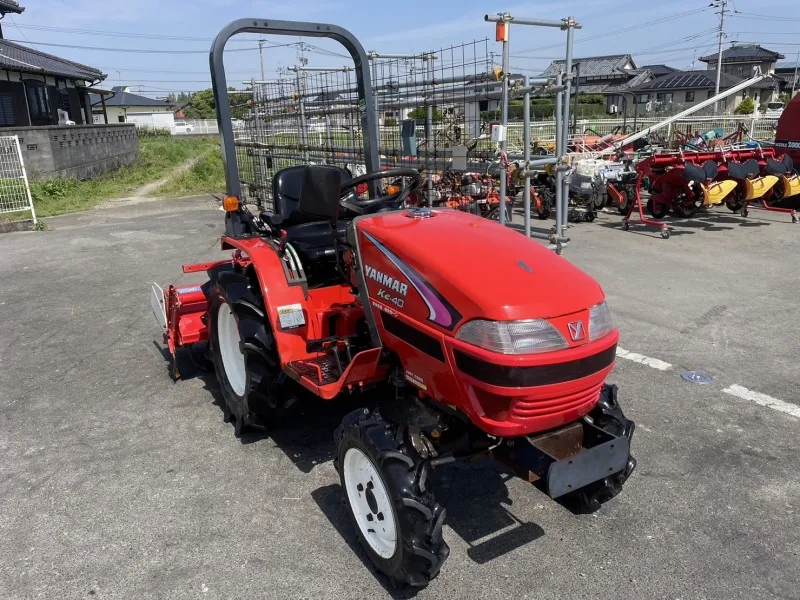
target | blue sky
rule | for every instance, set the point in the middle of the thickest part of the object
(655, 34)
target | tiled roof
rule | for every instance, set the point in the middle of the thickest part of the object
(786, 66)
(7, 6)
(659, 70)
(643, 76)
(21, 58)
(594, 66)
(126, 99)
(743, 52)
(697, 80)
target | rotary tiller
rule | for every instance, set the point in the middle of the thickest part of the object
(335, 294)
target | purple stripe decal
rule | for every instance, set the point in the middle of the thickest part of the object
(438, 311)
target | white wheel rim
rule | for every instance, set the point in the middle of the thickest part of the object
(369, 501)
(232, 357)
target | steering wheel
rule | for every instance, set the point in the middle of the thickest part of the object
(390, 201)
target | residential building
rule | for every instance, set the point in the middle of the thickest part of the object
(742, 60)
(659, 70)
(38, 88)
(683, 89)
(124, 107)
(613, 76)
(788, 74)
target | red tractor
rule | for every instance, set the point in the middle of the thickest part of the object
(506, 353)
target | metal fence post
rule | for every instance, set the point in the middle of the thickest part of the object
(429, 141)
(560, 126)
(504, 120)
(569, 22)
(526, 140)
(303, 123)
(374, 59)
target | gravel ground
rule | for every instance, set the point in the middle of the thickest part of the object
(116, 482)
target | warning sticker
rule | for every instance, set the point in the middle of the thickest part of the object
(416, 380)
(291, 316)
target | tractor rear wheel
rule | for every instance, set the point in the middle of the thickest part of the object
(385, 485)
(244, 354)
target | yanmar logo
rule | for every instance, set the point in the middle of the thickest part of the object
(386, 280)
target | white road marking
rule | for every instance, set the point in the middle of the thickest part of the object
(644, 360)
(763, 400)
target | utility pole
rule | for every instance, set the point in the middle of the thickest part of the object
(261, 54)
(722, 5)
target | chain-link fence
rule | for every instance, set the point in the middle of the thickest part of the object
(427, 105)
(15, 193)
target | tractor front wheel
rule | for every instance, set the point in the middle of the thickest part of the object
(385, 484)
(244, 354)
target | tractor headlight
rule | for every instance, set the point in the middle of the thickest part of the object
(600, 324)
(512, 337)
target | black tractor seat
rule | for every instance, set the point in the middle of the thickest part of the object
(310, 236)
(745, 170)
(314, 241)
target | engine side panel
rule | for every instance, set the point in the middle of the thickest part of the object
(278, 295)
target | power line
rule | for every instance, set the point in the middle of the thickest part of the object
(757, 17)
(133, 50)
(124, 34)
(618, 31)
(22, 33)
(152, 51)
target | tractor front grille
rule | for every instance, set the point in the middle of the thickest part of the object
(527, 407)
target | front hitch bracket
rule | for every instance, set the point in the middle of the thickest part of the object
(594, 450)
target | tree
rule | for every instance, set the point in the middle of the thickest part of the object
(202, 106)
(746, 107)
(785, 97)
(421, 114)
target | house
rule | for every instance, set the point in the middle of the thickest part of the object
(124, 107)
(686, 88)
(41, 89)
(788, 75)
(613, 76)
(741, 60)
(179, 108)
(659, 70)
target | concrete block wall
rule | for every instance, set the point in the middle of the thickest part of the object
(80, 151)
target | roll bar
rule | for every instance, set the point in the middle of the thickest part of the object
(234, 225)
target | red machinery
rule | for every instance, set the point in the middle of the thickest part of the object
(687, 181)
(333, 294)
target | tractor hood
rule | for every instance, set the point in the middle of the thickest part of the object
(453, 266)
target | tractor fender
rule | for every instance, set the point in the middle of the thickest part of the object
(266, 267)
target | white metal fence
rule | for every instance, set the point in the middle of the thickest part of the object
(196, 127)
(15, 193)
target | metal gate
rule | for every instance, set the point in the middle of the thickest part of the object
(15, 193)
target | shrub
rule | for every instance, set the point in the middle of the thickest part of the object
(389, 122)
(746, 107)
(152, 132)
(421, 113)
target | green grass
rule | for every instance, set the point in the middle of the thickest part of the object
(157, 157)
(206, 176)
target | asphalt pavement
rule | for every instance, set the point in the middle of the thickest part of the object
(117, 482)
